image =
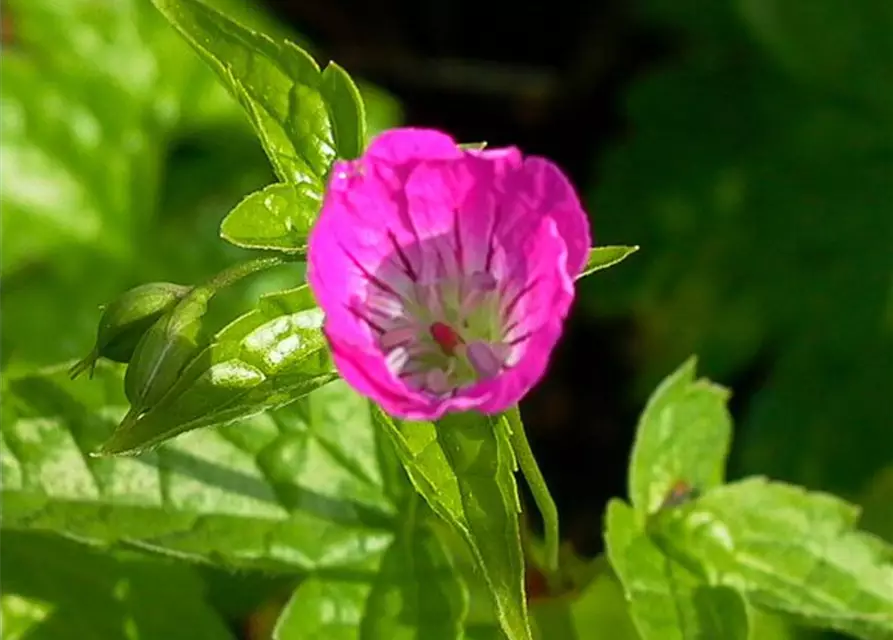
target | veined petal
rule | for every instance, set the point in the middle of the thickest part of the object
(445, 275)
(539, 189)
(542, 301)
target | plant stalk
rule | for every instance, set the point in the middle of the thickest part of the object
(538, 487)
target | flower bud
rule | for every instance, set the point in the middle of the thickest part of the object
(164, 351)
(126, 319)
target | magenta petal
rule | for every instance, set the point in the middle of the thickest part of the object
(419, 234)
(366, 372)
(543, 301)
(398, 146)
(540, 189)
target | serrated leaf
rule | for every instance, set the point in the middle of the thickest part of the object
(464, 469)
(55, 588)
(304, 122)
(683, 436)
(666, 601)
(277, 217)
(604, 257)
(265, 359)
(416, 594)
(788, 550)
(299, 489)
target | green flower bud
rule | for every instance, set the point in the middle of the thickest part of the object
(126, 319)
(164, 351)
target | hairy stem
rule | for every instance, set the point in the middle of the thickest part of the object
(236, 272)
(538, 488)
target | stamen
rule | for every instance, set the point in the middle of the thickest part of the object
(437, 381)
(396, 359)
(484, 359)
(398, 336)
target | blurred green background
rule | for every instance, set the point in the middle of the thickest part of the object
(746, 145)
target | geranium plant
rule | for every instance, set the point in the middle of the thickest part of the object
(359, 429)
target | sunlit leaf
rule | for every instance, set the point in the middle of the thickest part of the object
(304, 117)
(788, 550)
(682, 440)
(463, 467)
(277, 217)
(604, 257)
(265, 359)
(56, 588)
(666, 601)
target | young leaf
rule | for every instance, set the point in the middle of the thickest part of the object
(303, 119)
(666, 601)
(463, 467)
(276, 217)
(789, 550)
(346, 110)
(265, 359)
(295, 490)
(604, 257)
(683, 436)
(72, 591)
(416, 593)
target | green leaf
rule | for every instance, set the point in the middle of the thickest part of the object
(346, 111)
(51, 197)
(323, 608)
(55, 588)
(415, 594)
(383, 111)
(598, 611)
(788, 550)
(296, 490)
(277, 217)
(305, 118)
(604, 257)
(683, 436)
(263, 360)
(464, 468)
(876, 499)
(127, 49)
(666, 601)
(473, 146)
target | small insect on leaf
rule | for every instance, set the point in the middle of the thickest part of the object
(680, 493)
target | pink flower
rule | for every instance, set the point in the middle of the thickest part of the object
(445, 275)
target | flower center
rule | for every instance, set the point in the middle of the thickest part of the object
(444, 335)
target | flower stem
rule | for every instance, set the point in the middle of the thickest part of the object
(538, 487)
(238, 271)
